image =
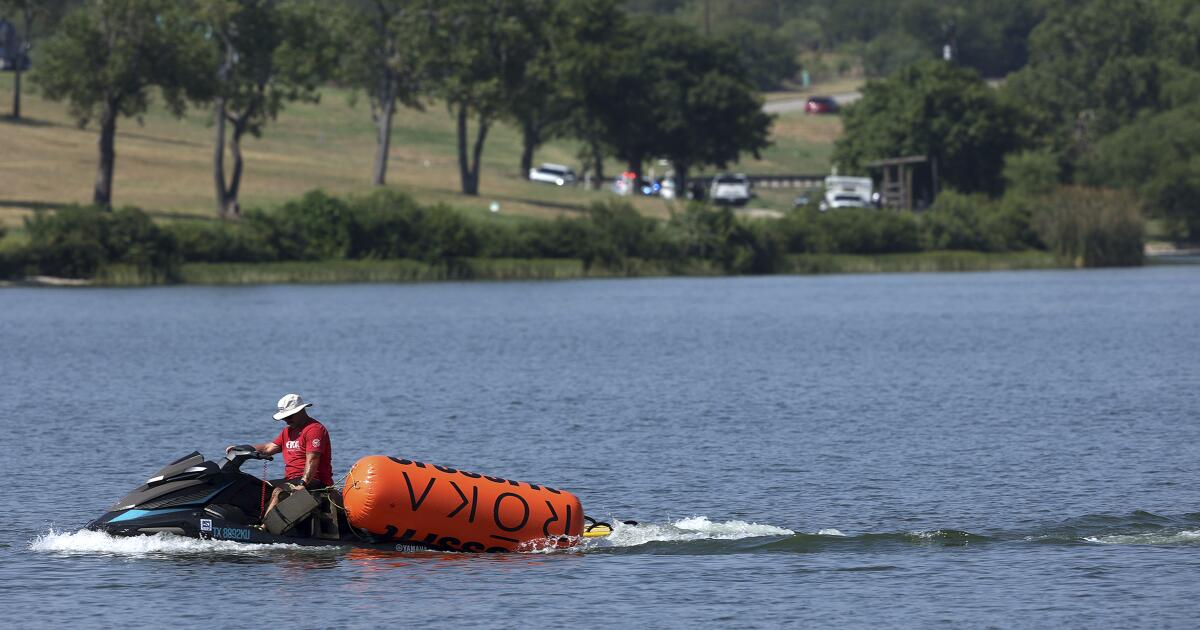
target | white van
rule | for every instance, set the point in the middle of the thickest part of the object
(847, 192)
(556, 174)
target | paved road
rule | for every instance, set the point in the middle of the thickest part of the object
(797, 104)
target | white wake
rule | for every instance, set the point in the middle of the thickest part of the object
(1156, 538)
(688, 529)
(91, 542)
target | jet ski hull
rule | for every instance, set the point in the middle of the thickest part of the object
(196, 522)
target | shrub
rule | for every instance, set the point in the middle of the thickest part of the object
(560, 238)
(977, 223)
(76, 242)
(869, 231)
(1091, 227)
(68, 242)
(134, 239)
(1031, 172)
(803, 232)
(12, 263)
(617, 232)
(715, 235)
(317, 226)
(387, 225)
(223, 241)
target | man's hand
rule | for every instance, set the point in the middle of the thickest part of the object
(296, 487)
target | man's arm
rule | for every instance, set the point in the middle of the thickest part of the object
(266, 448)
(310, 468)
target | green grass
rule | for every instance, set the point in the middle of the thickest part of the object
(336, 271)
(922, 262)
(392, 271)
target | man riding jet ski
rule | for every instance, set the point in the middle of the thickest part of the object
(307, 451)
(215, 499)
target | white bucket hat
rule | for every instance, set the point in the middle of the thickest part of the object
(290, 404)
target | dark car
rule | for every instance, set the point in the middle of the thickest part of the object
(821, 105)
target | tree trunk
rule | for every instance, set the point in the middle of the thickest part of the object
(26, 46)
(219, 156)
(477, 153)
(681, 179)
(598, 163)
(227, 191)
(468, 165)
(529, 142)
(635, 166)
(383, 136)
(464, 168)
(232, 209)
(102, 194)
(16, 113)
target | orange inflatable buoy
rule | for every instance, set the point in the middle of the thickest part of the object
(419, 504)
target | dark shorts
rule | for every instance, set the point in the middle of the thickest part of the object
(315, 484)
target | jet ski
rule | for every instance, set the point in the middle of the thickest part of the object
(216, 500)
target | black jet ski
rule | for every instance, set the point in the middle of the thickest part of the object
(215, 500)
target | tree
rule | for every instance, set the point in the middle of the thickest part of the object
(476, 56)
(1092, 67)
(1158, 156)
(768, 57)
(595, 63)
(109, 54)
(937, 110)
(614, 80)
(270, 53)
(535, 98)
(32, 12)
(383, 55)
(705, 110)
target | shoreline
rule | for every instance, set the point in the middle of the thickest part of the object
(493, 270)
(405, 271)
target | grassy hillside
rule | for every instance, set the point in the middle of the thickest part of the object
(164, 164)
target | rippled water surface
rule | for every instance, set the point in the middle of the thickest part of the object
(1008, 449)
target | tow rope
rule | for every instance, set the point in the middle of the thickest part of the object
(262, 501)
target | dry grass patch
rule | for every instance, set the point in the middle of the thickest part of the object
(164, 164)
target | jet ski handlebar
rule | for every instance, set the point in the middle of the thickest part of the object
(240, 453)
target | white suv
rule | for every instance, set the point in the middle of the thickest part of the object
(556, 174)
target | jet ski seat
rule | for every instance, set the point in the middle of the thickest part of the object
(289, 512)
(308, 513)
(325, 519)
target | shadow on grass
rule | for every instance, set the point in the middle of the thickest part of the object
(161, 140)
(26, 121)
(22, 204)
(541, 203)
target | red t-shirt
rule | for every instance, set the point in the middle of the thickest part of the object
(297, 442)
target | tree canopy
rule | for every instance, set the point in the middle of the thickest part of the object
(107, 58)
(939, 111)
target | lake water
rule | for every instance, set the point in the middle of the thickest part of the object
(1008, 449)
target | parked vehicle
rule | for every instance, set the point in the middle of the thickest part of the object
(629, 183)
(847, 192)
(731, 188)
(556, 174)
(666, 188)
(821, 105)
